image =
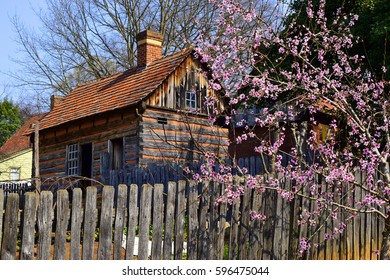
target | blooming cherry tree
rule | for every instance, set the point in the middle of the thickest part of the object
(281, 73)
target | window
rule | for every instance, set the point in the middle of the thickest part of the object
(190, 100)
(72, 159)
(116, 152)
(15, 174)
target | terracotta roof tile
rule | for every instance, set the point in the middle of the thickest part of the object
(19, 141)
(113, 92)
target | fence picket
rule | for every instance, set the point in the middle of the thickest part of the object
(180, 216)
(256, 229)
(169, 221)
(132, 221)
(44, 225)
(203, 234)
(61, 225)
(90, 218)
(120, 220)
(275, 238)
(8, 248)
(105, 232)
(221, 230)
(193, 226)
(244, 231)
(144, 222)
(158, 219)
(76, 221)
(29, 219)
(1, 214)
(233, 242)
(213, 223)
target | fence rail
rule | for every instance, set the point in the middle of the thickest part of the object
(19, 187)
(178, 220)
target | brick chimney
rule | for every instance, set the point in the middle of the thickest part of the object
(55, 100)
(149, 44)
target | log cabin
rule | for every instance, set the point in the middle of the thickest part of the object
(153, 112)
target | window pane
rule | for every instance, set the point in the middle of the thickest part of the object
(73, 159)
(15, 174)
(191, 100)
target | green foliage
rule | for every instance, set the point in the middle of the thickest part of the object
(10, 120)
(372, 28)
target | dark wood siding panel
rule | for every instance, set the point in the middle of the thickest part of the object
(98, 131)
(171, 94)
(173, 139)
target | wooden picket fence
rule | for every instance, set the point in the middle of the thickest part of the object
(174, 221)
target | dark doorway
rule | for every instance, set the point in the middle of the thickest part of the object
(86, 162)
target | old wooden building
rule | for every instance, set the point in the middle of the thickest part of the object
(154, 112)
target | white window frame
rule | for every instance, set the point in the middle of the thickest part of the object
(14, 173)
(190, 100)
(72, 158)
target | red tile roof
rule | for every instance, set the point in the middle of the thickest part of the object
(19, 141)
(113, 92)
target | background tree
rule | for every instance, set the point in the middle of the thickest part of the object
(371, 28)
(315, 68)
(10, 120)
(83, 40)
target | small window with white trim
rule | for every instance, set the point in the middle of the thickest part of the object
(72, 152)
(15, 174)
(191, 100)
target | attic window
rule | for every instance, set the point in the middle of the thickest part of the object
(190, 100)
(162, 120)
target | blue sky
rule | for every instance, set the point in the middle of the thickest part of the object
(24, 9)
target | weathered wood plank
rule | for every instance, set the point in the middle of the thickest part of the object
(144, 221)
(120, 220)
(61, 225)
(29, 220)
(90, 219)
(193, 225)
(8, 248)
(278, 240)
(269, 199)
(234, 227)
(44, 225)
(1, 214)
(169, 221)
(286, 224)
(179, 220)
(243, 239)
(223, 208)
(213, 221)
(203, 248)
(255, 231)
(132, 221)
(76, 221)
(105, 229)
(158, 219)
